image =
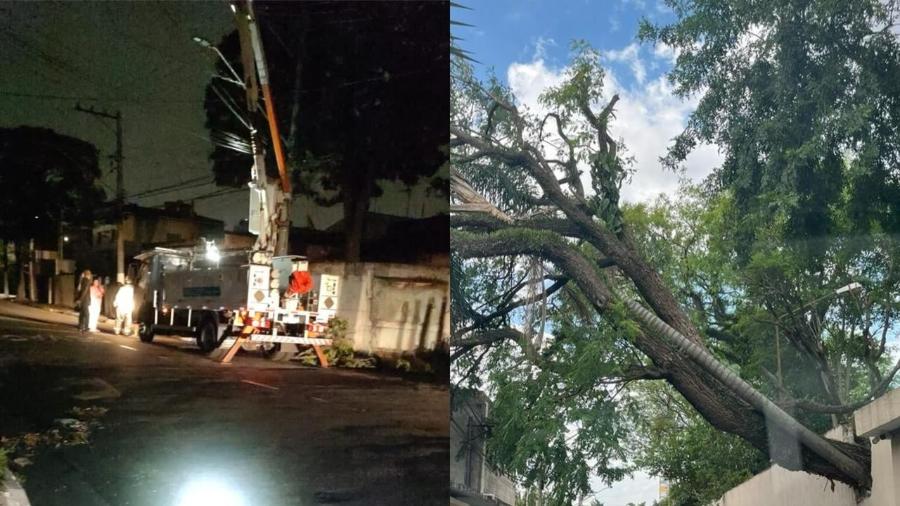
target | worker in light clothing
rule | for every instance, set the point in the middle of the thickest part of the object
(124, 304)
(94, 309)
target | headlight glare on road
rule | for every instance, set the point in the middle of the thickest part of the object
(210, 492)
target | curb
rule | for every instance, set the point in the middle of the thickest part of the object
(104, 320)
(12, 493)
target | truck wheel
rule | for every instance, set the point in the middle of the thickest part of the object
(207, 336)
(269, 349)
(145, 333)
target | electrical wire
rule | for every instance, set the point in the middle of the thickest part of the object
(155, 192)
(85, 98)
(217, 194)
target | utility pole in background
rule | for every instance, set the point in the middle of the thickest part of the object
(120, 186)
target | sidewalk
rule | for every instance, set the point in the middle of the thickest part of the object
(50, 313)
(53, 308)
(11, 491)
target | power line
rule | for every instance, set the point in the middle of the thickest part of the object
(217, 194)
(135, 101)
(141, 104)
(155, 192)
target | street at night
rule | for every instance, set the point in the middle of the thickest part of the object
(179, 424)
(254, 194)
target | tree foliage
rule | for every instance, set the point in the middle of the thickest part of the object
(45, 177)
(803, 97)
(545, 255)
(699, 462)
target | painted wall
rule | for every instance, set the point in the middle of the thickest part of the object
(392, 308)
(64, 290)
(500, 487)
(777, 486)
(469, 471)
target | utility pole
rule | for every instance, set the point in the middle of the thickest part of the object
(253, 56)
(32, 282)
(120, 186)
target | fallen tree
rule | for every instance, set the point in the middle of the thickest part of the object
(519, 199)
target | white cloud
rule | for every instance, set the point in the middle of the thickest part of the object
(529, 80)
(637, 4)
(663, 51)
(648, 117)
(540, 47)
(631, 55)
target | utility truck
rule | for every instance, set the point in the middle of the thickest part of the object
(213, 295)
(262, 297)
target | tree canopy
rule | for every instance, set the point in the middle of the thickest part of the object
(570, 306)
(803, 97)
(45, 177)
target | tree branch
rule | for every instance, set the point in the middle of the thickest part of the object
(573, 178)
(504, 310)
(487, 223)
(818, 407)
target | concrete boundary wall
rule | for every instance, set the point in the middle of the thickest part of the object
(777, 486)
(392, 308)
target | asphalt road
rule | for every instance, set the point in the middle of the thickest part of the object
(183, 430)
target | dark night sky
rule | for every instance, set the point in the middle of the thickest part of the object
(137, 57)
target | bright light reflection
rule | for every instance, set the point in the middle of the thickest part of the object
(210, 492)
(212, 252)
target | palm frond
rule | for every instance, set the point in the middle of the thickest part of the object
(455, 50)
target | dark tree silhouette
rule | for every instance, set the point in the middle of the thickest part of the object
(361, 95)
(45, 177)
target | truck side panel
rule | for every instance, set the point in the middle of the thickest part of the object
(206, 288)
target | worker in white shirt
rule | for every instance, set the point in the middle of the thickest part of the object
(124, 304)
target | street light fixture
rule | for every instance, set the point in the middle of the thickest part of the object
(208, 45)
(848, 288)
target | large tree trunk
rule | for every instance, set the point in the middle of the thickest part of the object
(20, 260)
(5, 254)
(357, 196)
(719, 404)
(727, 412)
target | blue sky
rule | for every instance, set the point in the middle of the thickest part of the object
(526, 44)
(504, 31)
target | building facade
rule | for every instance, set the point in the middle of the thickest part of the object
(119, 235)
(473, 480)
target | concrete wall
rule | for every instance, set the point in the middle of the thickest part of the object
(466, 443)
(777, 486)
(64, 290)
(885, 474)
(469, 470)
(234, 240)
(392, 308)
(500, 487)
